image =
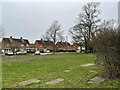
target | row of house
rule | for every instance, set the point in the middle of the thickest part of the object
(15, 44)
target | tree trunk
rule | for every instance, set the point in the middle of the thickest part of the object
(54, 49)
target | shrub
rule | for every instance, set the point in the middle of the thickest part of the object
(107, 45)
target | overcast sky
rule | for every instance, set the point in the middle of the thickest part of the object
(32, 19)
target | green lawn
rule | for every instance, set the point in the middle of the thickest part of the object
(49, 67)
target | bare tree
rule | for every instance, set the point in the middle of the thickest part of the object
(1, 31)
(87, 24)
(53, 33)
(107, 25)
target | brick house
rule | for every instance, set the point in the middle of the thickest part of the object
(42, 44)
(74, 46)
(31, 48)
(38, 45)
(59, 46)
(48, 45)
(14, 44)
(68, 46)
(63, 46)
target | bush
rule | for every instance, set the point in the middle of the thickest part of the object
(107, 45)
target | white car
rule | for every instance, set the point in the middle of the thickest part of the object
(37, 53)
(22, 52)
(48, 51)
(9, 53)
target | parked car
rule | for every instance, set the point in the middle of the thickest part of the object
(9, 53)
(37, 53)
(47, 51)
(21, 52)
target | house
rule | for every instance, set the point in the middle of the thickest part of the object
(59, 46)
(38, 45)
(43, 44)
(31, 48)
(74, 47)
(14, 44)
(67, 45)
(6, 44)
(48, 45)
(63, 46)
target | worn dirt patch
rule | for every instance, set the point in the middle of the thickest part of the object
(96, 80)
(67, 70)
(89, 64)
(53, 82)
(27, 82)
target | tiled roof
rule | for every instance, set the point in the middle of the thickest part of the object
(42, 42)
(63, 43)
(39, 42)
(6, 41)
(14, 41)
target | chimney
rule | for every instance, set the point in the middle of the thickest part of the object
(20, 37)
(11, 37)
(66, 38)
(41, 39)
(47, 39)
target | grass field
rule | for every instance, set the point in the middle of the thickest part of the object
(49, 67)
